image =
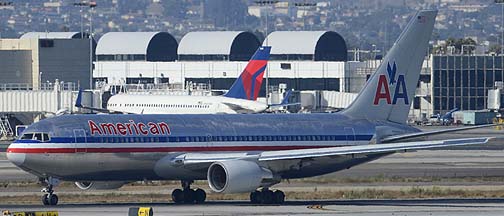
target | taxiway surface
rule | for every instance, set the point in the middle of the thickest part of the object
(456, 207)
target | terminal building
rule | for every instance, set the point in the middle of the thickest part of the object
(39, 57)
(41, 72)
(217, 59)
(463, 81)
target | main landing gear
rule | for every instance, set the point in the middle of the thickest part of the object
(266, 196)
(188, 195)
(49, 198)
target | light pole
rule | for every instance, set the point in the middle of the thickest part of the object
(91, 6)
(40, 80)
(262, 4)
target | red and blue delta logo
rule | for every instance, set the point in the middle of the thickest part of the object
(384, 85)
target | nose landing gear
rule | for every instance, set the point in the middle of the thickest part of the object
(49, 198)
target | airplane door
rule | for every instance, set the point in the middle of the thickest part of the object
(209, 140)
(350, 135)
(80, 143)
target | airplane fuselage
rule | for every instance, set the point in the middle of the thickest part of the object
(182, 104)
(140, 147)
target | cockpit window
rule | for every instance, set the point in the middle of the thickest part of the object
(45, 137)
(37, 136)
(42, 137)
(27, 136)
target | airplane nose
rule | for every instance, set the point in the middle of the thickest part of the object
(16, 158)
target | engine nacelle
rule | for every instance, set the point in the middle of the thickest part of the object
(100, 185)
(237, 176)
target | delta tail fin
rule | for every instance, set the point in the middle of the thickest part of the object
(249, 82)
(389, 92)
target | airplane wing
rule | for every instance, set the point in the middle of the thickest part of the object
(395, 138)
(198, 160)
(367, 149)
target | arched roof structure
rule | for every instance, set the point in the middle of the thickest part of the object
(54, 35)
(218, 45)
(149, 46)
(307, 45)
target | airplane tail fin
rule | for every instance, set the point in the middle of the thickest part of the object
(285, 101)
(286, 97)
(248, 84)
(389, 92)
(78, 101)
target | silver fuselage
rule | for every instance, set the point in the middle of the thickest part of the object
(148, 147)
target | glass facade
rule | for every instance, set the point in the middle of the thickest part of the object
(463, 81)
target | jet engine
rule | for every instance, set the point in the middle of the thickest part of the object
(99, 185)
(237, 176)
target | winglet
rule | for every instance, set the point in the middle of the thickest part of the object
(78, 101)
(249, 82)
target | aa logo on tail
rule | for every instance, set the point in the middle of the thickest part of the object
(384, 84)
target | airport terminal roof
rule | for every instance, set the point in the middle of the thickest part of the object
(239, 45)
(52, 35)
(323, 45)
(157, 46)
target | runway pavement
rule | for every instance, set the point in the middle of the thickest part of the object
(456, 207)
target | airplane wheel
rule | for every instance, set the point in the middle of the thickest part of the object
(53, 199)
(267, 197)
(255, 197)
(177, 196)
(188, 196)
(278, 197)
(199, 195)
(45, 199)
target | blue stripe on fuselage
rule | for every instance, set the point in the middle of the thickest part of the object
(178, 139)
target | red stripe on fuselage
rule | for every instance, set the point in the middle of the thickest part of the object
(159, 149)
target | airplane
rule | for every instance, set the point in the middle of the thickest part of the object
(445, 119)
(241, 97)
(238, 153)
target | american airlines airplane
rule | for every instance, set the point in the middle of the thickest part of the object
(236, 153)
(241, 97)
